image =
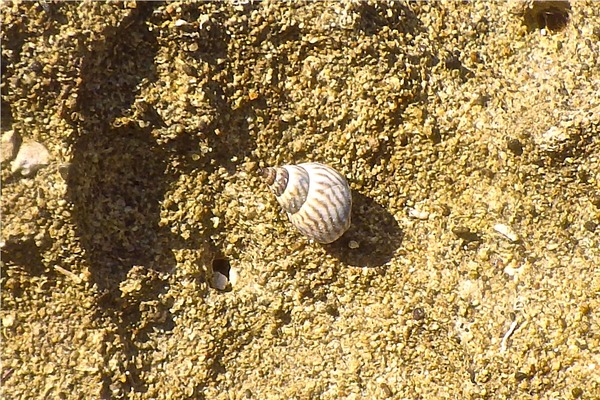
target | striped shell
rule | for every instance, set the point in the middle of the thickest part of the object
(316, 198)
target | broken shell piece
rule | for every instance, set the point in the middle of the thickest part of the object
(507, 231)
(31, 157)
(9, 146)
(219, 281)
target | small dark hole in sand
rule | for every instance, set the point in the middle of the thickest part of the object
(551, 15)
(515, 146)
(284, 316)
(221, 269)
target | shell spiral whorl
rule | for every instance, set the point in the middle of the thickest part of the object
(316, 198)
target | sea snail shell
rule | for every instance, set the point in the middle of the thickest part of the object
(316, 198)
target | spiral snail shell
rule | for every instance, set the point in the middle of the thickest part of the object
(316, 198)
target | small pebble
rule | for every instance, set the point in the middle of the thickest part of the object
(353, 244)
(590, 226)
(466, 234)
(9, 146)
(507, 231)
(31, 157)
(8, 320)
(418, 314)
(250, 166)
(418, 214)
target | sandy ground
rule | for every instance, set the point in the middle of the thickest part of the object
(469, 133)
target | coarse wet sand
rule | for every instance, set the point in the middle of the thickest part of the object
(469, 134)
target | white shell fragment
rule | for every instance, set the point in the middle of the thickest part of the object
(552, 139)
(219, 281)
(31, 157)
(507, 231)
(316, 198)
(180, 22)
(418, 214)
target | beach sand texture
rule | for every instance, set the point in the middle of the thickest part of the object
(149, 260)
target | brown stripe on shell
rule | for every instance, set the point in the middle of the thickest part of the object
(296, 196)
(331, 192)
(328, 177)
(316, 212)
(276, 178)
(321, 220)
(303, 222)
(306, 229)
(268, 174)
(334, 208)
(331, 198)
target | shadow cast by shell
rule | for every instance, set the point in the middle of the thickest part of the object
(373, 229)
